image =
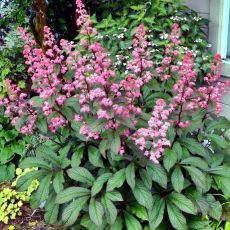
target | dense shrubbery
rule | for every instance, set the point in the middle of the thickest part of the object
(129, 140)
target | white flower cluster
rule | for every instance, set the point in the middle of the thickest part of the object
(198, 40)
(164, 36)
(197, 19)
(178, 19)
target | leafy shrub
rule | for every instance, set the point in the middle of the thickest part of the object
(12, 66)
(116, 33)
(138, 146)
(11, 201)
(12, 149)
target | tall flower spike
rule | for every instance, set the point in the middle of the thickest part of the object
(153, 140)
(81, 13)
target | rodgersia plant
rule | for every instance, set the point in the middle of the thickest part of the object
(118, 150)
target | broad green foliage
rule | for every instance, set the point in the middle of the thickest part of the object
(137, 195)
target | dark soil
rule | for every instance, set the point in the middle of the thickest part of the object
(30, 220)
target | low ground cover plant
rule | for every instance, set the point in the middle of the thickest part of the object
(139, 146)
(11, 201)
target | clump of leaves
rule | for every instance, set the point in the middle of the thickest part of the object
(12, 149)
(12, 201)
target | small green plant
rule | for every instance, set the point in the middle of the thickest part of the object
(12, 148)
(11, 201)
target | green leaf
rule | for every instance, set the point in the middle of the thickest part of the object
(139, 211)
(222, 123)
(157, 173)
(185, 27)
(51, 210)
(220, 170)
(218, 140)
(195, 161)
(42, 125)
(96, 125)
(223, 183)
(81, 174)
(114, 196)
(194, 147)
(131, 222)
(146, 178)
(31, 162)
(72, 211)
(96, 212)
(98, 184)
(47, 154)
(177, 179)
(116, 181)
(95, 156)
(25, 181)
(170, 159)
(171, 133)
(7, 172)
(156, 214)
(215, 208)
(178, 150)
(143, 195)
(199, 224)
(182, 202)
(126, 122)
(67, 112)
(110, 210)
(176, 218)
(72, 192)
(77, 157)
(117, 224)
(43, 189)
(103, 146)
(197, 177)
(116, 143)
(58, 182)
(74, 103)
(130, 175)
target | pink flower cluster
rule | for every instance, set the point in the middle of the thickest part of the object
(152, 140)
(213, 90)
(167, 68)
